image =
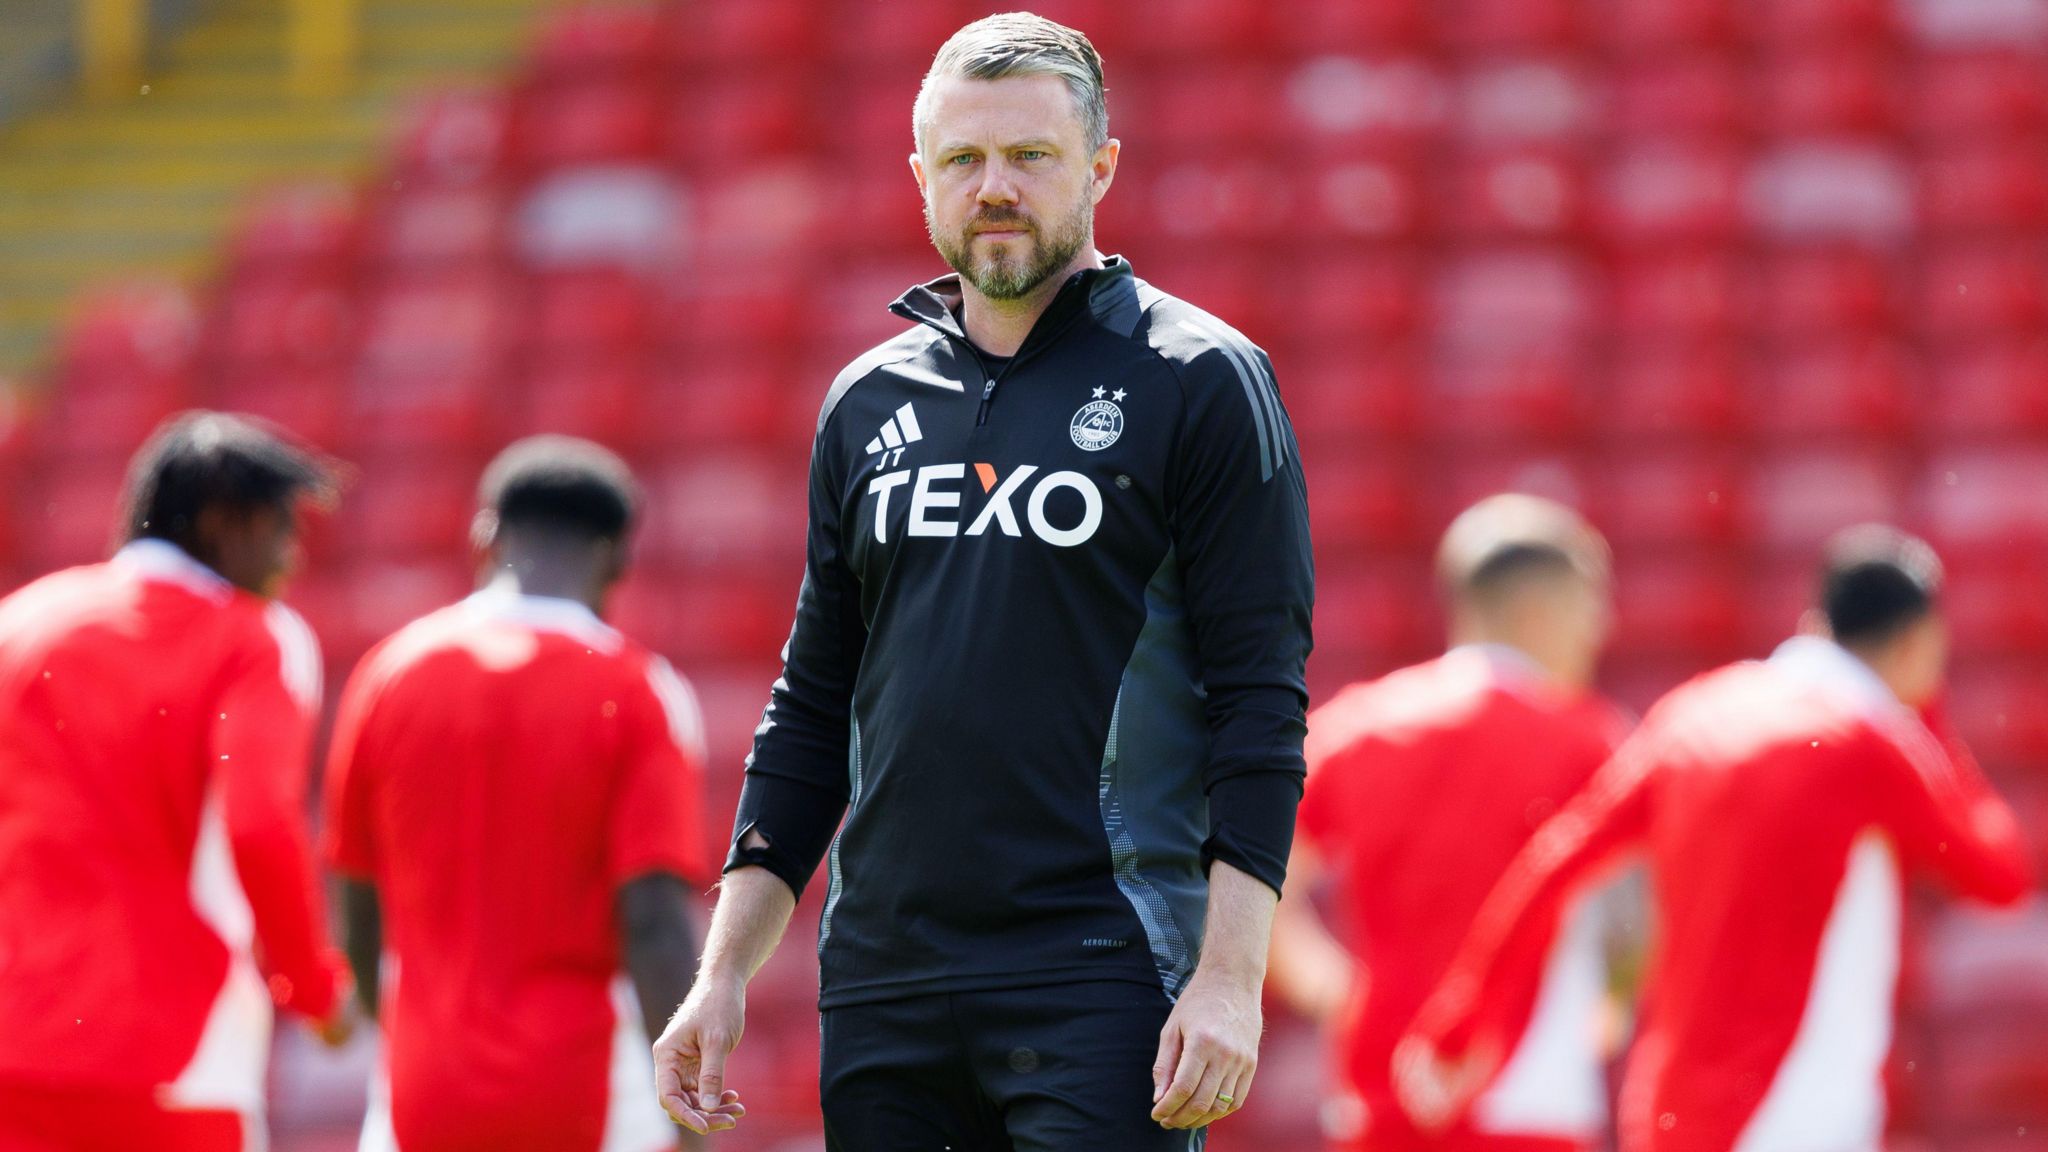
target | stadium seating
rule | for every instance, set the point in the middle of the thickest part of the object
(1728, 274)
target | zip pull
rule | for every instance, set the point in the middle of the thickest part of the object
(988, 392)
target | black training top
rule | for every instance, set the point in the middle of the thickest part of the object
(1050, 646)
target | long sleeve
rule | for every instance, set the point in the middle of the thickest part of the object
(797, 787)
(1240, 533)
(1468, 1012)
(258, 746)
(1946, 816)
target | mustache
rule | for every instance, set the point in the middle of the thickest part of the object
(994, 218)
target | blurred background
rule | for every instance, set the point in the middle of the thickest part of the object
(1726, 274)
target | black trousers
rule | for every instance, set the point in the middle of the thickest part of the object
(1058, 1068)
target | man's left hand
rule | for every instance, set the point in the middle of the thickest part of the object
(1207, 1052)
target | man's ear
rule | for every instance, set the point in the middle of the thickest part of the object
(917, 172)
(483, 537)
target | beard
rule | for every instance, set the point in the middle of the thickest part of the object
(1003, 273)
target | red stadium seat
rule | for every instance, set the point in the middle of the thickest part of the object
(1780, 592)
(1827, 90)
(1369, 196)
(1640, 28)
(1235, 202)
(124, 361)
(65, 512)
(1682, 294)
(1500, 299)
(1802, 494)
(1964, 95)
(1986, 288)
(1460, 477)
(1514, 194)
(1660, 390)
(1993, 389)
(609, 39)
(1995, 704)
(1371, 617)
(454, 137)
(309, 227)
(1306, 27)
(754, 306)
(721, 118)
(1993, 604)
(1662, 498)
(408, 507)
(867, 37)
(1802, 22)
(431, 353)
(1530, 394)
(311, 403)
(1175, 30)
(381, 596)
(1383, 100)
(1829, 291)
(283, 322)
(589, 312)
(696, 616)
(712, 401)
(596, 121)
(1344, 393)
(1509, 25)
(1205, 112)
(438, 226)
(1988, 499)
(1683, 605)
(594, 395)
(703, 36)
(1693, 96)
(1833, 189)
(725, 508)
(1863, 388)
(1660, 192)
(1533, 102)
(1994, 186)
(1364, 500)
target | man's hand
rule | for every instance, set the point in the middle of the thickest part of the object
(1435, 1091)
(689, 1059)
(340, 1023)
(1207, 1052)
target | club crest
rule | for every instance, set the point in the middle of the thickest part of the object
(1097, 425)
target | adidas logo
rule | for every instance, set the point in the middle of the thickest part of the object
(898, 432)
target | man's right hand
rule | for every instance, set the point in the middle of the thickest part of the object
(689, 1059)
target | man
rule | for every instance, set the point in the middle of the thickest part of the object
(1778, 801)
(1422, 787)
(1049, 647)
(513, 784)
(156, 714)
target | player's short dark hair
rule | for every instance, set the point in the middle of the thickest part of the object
(1505, 540)
(1875, 581)
(561, 484)
(200, 460)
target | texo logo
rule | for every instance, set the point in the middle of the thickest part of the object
(929, 502)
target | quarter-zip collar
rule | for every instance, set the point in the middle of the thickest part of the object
(936, 304)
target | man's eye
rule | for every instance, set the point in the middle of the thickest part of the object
(1031, 154)
(960, 161)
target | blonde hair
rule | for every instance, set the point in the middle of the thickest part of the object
(1505, 536)
(1021, 44)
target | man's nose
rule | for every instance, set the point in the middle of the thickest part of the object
(997, 186)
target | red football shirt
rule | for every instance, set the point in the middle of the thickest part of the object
(155, 724)
(1778, 801)
(499, 768)
(1422, 786)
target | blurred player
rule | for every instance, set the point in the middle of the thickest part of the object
(1047, 663)
(1780, 801)
(1422, 787)
(513, 787)
(156, 714)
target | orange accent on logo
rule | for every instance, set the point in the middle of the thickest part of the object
(987, 472)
